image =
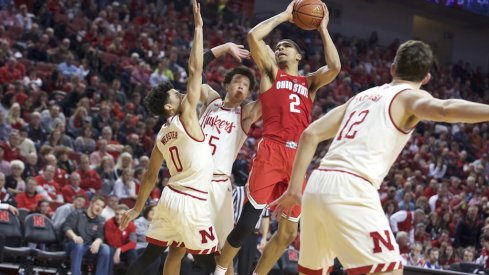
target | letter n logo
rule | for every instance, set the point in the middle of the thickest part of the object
(377, 238)
(39, 221)
(4, 217)
(207, 235)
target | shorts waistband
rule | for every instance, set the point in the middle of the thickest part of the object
(325, 169)
(291, 144)
(190, 192)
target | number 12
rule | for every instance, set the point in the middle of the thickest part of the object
(351, 133)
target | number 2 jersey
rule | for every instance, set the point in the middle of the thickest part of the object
(368, 142)
(224, 134)
(189, 160)
(286, 108)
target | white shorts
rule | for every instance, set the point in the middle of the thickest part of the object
(182, 219)
(222, 212)
(342, 217)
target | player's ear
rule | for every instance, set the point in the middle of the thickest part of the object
(298, 57)
(393, 70)
(169, 108)
(426, 79)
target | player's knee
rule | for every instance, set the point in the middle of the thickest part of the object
(246, 225)
(238, 235)
(286, 237)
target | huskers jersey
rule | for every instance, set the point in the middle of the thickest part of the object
(286, 108)
(368, 142)
(189, 160)
(224, 134)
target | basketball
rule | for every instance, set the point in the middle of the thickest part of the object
(308, 14)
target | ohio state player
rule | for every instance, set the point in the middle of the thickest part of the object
(286, 99)
(342, 215)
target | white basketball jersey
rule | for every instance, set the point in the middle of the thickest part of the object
(189, 161)
(368, 142)
(224, 135)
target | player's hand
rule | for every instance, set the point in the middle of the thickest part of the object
(285, 203)
(127, 217)
(238, 51)
(288, 11)
(325, 20)
(197, 17)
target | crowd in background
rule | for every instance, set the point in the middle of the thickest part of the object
(73, 75)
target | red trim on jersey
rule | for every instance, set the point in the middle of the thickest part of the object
(219, 174)
(196, 190)
(309, 271)
(342, 171)
(178, 244)
(241, 121)
(359, 270)
(390, 115)
(183, 193)
(226, 109)
(330, 269)
(188, 134)
(224, 180)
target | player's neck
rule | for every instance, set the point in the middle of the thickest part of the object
(290, 70)
(414, 85)
(229, 104)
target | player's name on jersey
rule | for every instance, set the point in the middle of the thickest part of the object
(169, 136)
(219, 124)
(294, 87)
(374, 98)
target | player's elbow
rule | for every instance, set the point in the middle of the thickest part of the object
(309, 136)
(335, 67)
(251, 37)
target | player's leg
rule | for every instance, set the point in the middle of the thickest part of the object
(246, 225)
(174, 260)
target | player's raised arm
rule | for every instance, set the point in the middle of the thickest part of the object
(259, 51)
(328, 73)
(195, 64)
(148, 182)
(322, 129)
(425, 107)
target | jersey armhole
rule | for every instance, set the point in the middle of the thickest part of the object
(189, 135)
(390, 114)
(241, 121)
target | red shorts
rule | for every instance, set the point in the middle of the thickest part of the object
(270, 174)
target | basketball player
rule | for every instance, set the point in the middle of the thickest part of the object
(286, 99)
(342, 214)
(182, 217)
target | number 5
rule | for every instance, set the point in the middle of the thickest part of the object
(214, 147)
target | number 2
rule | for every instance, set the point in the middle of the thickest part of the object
(360, 118)
(296, 101)
(175, 158)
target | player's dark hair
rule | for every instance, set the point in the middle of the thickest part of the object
(296, 46)
(242, 70)
(157, 98)
(413, 61)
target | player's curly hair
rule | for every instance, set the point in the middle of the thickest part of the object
(157, 98)
(413, 60)
(242, 70)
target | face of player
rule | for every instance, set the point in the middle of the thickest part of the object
(285, 52)
(239, 88)
(174, 101)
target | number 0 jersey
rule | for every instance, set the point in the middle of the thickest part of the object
(189, 160)
(368, 142)
(286, 108)
(224, 135)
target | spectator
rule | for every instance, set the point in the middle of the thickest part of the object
(35, 132)
(468, 230)
(403, 242)
(69, 69)
(123, 162)
(5, 128)
(432, 259)
(24, 17)
(30, 197)
(64, 162)
(10, 147)
(85, 143)
(125, 187)
(97, 156)
(4, 165)
(484, 254)
(6, 197)
(48, 187)
(122, 242)
(60, 175)
(8, 73)
(15, 183)
(405, 221)
(414, 257)
(32, 81)
(65, 210)
(90, 179)
(43, 208)
(14, 117)
(468, 255)
(109, 210)
(39, 51)
(70, 191)
(26, 145)
(50, 118)
(71, 100)
(160, 74)
(77, 121)
(106, 171)
(84, 235)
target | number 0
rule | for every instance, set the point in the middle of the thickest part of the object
(175, 158)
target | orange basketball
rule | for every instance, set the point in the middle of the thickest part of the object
(308, 14)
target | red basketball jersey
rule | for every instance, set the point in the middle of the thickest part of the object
(286, 108)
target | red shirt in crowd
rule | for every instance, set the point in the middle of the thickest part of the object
(9, 75)
(89, 179)
(27, 201)
(125, 240)
(69, 193)
(52, 188)
(10, 153)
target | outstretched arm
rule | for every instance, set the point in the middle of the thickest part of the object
(322, 129)
(258, 49)
(328, 73)
(148, 182)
